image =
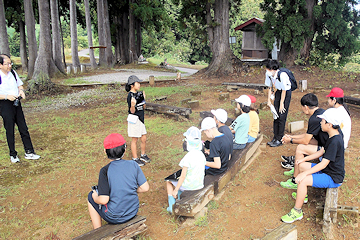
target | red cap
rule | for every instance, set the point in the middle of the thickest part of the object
(336, 92)
(252, 98)
(113, 140)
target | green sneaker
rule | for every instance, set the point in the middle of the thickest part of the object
(292, 216)
(294, 197)
(289, 173)
(289, 184)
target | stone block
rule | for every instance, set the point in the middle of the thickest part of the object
(234, 103)
(302, 85)
(190, 221)
(194, 104)
(195, 93)
(152, 81)
(76, 70)
(263, 105)
(83, 68)
(178, 76)
(256, 91)
(284, 232)
(68, 70)
(232, 88)
(296, 126)
(185, 101)
(356, 95)
(223, 96)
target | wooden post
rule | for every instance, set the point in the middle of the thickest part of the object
(152, 80)
(178, 77)
(83, 68)
(303, 85)
(330, 212)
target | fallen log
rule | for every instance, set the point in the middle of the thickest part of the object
(126, 230)
(352, 100)
(191, 202)
(248, 85)
(171, 110)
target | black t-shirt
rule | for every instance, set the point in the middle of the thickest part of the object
(227, 132)
(334, 151)
(139, 107)
(220, 146)
(314, 128)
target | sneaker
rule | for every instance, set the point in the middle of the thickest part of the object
(139, 162)
(292, 216)
(14, 159)
(145, 158)
(289, 184)
(288, 159)
(289, 173)
(31, 156)
(287, 165)
(271, 142)
(294, 197)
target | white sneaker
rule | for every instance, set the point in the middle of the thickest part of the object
(14, 159)
(31, 156)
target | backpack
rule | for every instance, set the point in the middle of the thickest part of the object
(291, 77)
(13, 73)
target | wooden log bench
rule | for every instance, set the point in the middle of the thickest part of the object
(117, 231)
(168, 110)
(191, 202)
(257, 86)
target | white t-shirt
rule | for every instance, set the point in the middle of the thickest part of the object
(195, 162)
(345, 124)
(283, 84)
(9, 85)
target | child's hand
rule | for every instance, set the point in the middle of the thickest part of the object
(300, 160)
(144, 94)
(300, 177)
(175, 193)
(133, 101)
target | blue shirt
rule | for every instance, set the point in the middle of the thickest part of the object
(241, 128)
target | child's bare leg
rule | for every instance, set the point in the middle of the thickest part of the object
(302, 191)
(169, 188)
(143, 144)
(133, 147)
(95, 217)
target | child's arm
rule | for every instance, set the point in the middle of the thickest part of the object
(144, 187)
(318, 167)
(133, 103)
(102, 199)
(180, 182)
(215, 164)
(312, 156)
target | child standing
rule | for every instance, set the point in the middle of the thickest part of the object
(329, 173)
(240, 127)
(254, 121)
(116, 199)
(193, 168)
(136, 123)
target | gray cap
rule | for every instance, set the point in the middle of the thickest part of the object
(133, 79)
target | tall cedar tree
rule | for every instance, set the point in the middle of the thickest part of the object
(304, 25)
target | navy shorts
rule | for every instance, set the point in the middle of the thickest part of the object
(322, 180)
(99, 208)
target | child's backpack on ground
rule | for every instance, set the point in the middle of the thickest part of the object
(291, 77)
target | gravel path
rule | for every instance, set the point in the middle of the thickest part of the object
(123, 75)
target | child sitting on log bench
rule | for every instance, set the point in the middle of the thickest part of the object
(115, 199)
(220, 148)
(329, 173)
(240, 127)
(193, 166)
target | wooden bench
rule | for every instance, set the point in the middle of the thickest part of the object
(257, 86)
(117, 231)
(192, 202)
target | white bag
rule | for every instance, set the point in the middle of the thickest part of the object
(132, 118)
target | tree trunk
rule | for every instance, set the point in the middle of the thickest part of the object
(305, 51)
(45, 67)
(138, 36)
(23, 50)
(221, 63)
(56, 35)
(73, 32)
(287, 54)
(62, 46)
(108, 50)
(30, 30)
(101, 32)
(125, 53)
(132, 44)
(4, 39)
(89, 33)
(117, 39)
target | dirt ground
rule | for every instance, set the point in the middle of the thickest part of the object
(251, 205)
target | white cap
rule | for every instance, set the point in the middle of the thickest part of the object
(244, 99)
(208, 123)
(193, 133)
(332, 115)
(220, 114)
